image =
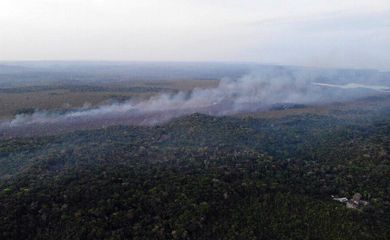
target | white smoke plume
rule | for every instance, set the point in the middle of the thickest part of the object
(253, 92)
(355, 85)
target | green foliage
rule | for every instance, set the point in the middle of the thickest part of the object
(200, 177)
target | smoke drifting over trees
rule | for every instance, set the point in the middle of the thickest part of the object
(256, 91)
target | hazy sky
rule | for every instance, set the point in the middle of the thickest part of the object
(328, 33)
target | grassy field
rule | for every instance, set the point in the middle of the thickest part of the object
(16, 100)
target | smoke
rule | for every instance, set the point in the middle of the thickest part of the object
(256, 91)
(356, 85)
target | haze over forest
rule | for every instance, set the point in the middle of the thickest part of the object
(195, 119)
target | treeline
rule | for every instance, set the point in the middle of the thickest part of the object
(200, 177)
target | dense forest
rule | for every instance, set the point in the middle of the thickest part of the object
(202, 177)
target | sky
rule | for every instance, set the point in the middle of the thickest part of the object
(322, 33)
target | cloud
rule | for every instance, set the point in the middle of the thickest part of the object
(301, 32)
